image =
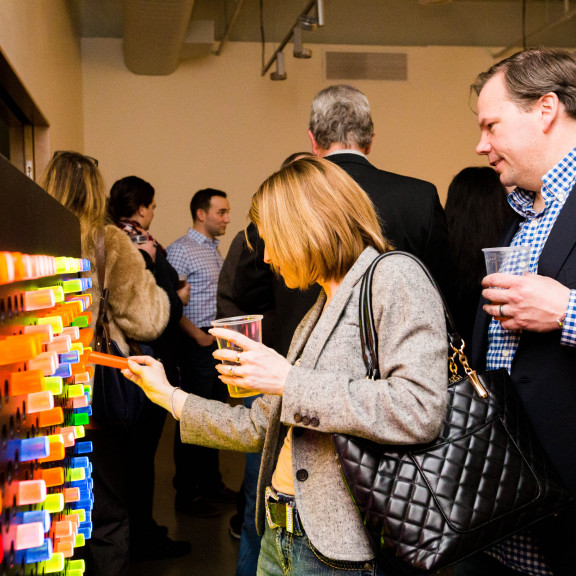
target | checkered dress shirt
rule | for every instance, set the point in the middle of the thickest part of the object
(198, 258)
(520, 552)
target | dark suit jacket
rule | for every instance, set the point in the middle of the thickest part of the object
(414, 221)
(544, 373)
(412, 216)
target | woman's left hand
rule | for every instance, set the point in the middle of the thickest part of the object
(256, 367)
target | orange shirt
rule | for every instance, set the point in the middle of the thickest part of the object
(283, 478)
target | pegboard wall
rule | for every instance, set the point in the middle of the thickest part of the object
(45, 471)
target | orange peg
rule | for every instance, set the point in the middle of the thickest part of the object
(71, 495)
(56, 448)
(39, 299)
(26, 382)
(47, 362)
(30, 492)
(6, 268)
(64, 548)
(20, 348)
(81, 377)
(72, 331)
(52, 476)
(107, 360)
(62, 528)
(86, 336)
(51, 418)
(19, 269)
(39, 401)
(60, 344)
(44, 330)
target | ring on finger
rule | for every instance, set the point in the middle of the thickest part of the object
(502, 315)
(237, 359)
(232, 370)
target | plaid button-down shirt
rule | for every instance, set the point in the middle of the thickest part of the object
(520, 551)
(197, 257)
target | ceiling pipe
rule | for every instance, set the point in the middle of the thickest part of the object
(568, 15)
(154, 31)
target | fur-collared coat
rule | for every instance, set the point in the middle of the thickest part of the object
(137, 307)
(329, 387)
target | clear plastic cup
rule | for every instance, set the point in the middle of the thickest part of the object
(507, 259)
(250, 326)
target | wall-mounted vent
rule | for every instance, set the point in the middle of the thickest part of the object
(366, 66)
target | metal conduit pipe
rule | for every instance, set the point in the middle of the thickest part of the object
(154, 31)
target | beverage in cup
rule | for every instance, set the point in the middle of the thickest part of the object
(507, 260)
(250, 326)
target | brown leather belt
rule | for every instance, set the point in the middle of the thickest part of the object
(281, 511)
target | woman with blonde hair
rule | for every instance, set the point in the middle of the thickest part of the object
(319, 226)
(137, 309)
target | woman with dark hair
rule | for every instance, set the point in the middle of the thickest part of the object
(476, 211)
(131, 207)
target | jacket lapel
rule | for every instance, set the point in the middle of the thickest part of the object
(561, 240)
(304, 329)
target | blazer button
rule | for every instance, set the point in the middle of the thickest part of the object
(297, 417)
(314, 422)
(305, 420)
(302, 475)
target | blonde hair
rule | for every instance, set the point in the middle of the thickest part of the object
(75, 181)
(315, 221)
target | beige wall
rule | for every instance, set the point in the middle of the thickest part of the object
(216, 122)
(38, 39)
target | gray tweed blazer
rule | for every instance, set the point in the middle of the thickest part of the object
(328, 392)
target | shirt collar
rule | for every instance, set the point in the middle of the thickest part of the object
(557, 184)
(201, 239)
(560, 179)
(347, 151)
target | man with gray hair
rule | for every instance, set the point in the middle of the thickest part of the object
(527, 119)
(341, 129)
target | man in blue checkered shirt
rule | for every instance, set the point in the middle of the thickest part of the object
(527, 118)
(195, 255)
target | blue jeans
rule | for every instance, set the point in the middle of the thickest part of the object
(249, 540)
(285, 554)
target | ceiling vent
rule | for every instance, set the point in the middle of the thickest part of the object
(366, 66)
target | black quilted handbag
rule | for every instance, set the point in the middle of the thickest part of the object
(482, 479)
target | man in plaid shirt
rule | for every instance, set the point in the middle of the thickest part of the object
(527, 118)
(195, 255)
